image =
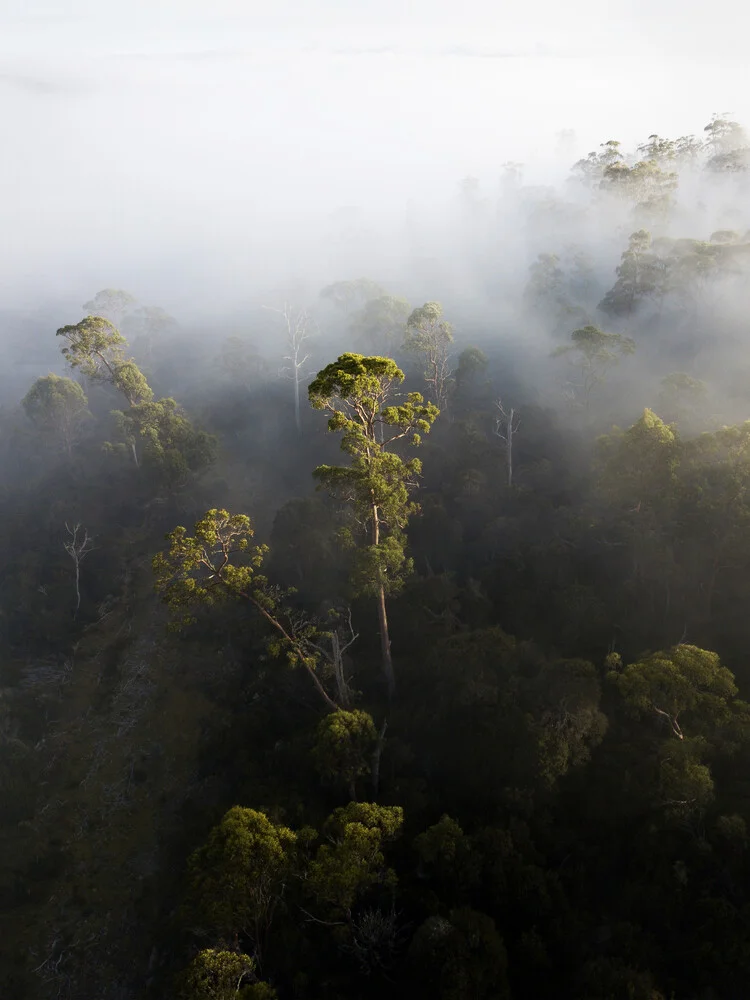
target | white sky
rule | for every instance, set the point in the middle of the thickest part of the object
(187, 125)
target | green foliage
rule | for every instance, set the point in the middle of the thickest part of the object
(680, 687)
(95, 346)
(344, 870)
(237, 878)
(429, 336)
(170, 445)
(640, 275)
(379, 324)
(344, 745)
(58, 407)
(592, 354)
(222, 975)
(356, 391)
(218, 562)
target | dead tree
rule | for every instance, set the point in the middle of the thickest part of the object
(78, 547)
(506, 425)
(298, 325)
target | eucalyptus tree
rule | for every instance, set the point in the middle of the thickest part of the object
(348, 294)
(592, 353)
(96, 348)
(379, 324)
(78, 545)
(58, 407)
(429, 336)
(359, 393)
(640, 274)
(507, 422)
(299, 329)
(111, 303)
(219, 562)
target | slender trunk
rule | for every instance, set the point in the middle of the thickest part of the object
(302, 654)
(385, 644)
(385, 640)
(78, 587)
(510, 448)
(297, 419)
(135, 455)
(338, 669)
(377, 753)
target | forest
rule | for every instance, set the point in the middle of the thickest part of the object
(390, 637)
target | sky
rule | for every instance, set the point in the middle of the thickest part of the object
(205, 137)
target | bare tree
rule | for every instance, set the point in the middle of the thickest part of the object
(507, 423)
(298, 332)
(78, 547)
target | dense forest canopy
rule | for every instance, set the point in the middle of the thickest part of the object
(392, 636)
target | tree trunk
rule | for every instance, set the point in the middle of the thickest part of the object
(377, 754)
(78, 586)
(385, 644)
(342, 687)
(509, 450)
(297, 419)
(385, 639)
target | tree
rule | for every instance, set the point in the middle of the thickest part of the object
(148, 324)
(507, 423)
(353, 862)
(640, 275)
(343, 747)
(95, 347)
(297, 324)
(217, 562)
(78, 547)
(347, 294)
(240, 360)
(57, 406)
(172, 447)
(682, 399)
(223, 975)
(238, 877)
(379, 325)
(356, 391)
(592, 353)
(429, 336)
(682, 686)
(111, 303)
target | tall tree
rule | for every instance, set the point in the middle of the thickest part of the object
(78, 546)
(641, 274)
(96, 347)
(298, 332)
(430, 336)
(358, 393)
(592, 353)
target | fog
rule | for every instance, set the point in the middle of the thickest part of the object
(193, 157)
